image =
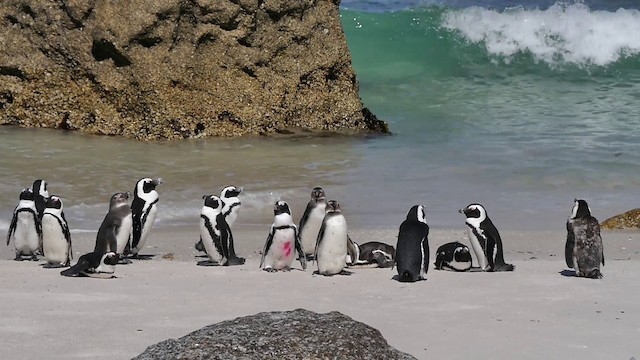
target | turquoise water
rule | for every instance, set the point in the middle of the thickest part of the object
(519, 106)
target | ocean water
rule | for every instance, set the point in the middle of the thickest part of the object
(519, 105)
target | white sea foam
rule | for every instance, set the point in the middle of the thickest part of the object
(560, 34)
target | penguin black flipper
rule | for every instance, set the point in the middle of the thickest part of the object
(569, 246)
(215, 235)
(137, 206)
(67, 236)
(301, 255)
(494, 250)
(305, 216)
(425, 252)
(267, 245)
(12, 227)
(83, 264)
(320, 236)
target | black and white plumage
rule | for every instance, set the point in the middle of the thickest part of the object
(331, 248)
(454, 256)
(144, 208)
(283, 242)
(41, 194)
(230, 206)
(372, 253)
(95, 265)
(485, 239)
(115, 229)
(56, 238)
(412, 250)
(311, 221)
(25, 228)
(215, 233)
(584, 251)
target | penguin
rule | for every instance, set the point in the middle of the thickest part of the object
(41, 194)
(231, 204)
(215, 233)
(412, 250)
(374, 252)
(56, 239)
(94, 264)
(144, 208)
(453, 256)
(331, 246)
(311, 221)
(584, 250)
(115, 229)
(25, 228)
(485, 239)
(278, 252)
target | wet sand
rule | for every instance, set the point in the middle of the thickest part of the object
(536, 312)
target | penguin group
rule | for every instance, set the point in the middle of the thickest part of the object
(39, 228)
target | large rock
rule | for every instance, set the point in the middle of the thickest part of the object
(170, 69)
(298, 334)
(628, 220)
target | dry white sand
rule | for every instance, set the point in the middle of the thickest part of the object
(533, 313)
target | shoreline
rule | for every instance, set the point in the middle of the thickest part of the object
(502, 315)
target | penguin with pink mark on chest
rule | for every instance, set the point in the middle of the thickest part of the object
(283, 242)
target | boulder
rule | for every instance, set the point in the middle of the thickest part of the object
(628, 220)
(297, 334)
(173, 69)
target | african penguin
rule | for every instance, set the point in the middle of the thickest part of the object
(215, 233)
(412, 250)
(144, 208)
(485, 239)
(282, 242)
(115, 229)
(231, 204)
(41, 194)
(584, 250)
(331, 247)
(94, 264)
(453, 256)
(56, 239)
(311, 221)
(374, 252)
(25, 228)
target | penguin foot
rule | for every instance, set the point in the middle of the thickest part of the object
(18, 258)
(142, 257)
(207, 263)
(53, 266)
(34, 257)
(124, 261)
(345, 272)
(270, 269)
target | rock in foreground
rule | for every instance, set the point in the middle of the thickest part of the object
(297, 334)
(628, 220)
(175, 69)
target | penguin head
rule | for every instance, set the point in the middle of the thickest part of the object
(212, 201)
(230, 192)
(580, 209)
(40, 187)
(119, 199)
(317, 194)
(54, 202)
(281, 207)
(27, 194)
(418, 213)
(333, 206)
(462, 254)
(475, 211)
(108, 263)
(146, 185)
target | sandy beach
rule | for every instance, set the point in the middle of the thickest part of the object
(535, 312)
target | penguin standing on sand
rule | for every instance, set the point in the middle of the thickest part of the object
(94, 264)
(485, 239)
(115, 229)
(412, 251)
(311, 221)
(584, 250)
(56, 239)
(41, 194)
(374, 252)
(25, 228)
(331, 248)
(215, 233)
(144, 208)
(278, 252)
(231, 205)
(453, 256)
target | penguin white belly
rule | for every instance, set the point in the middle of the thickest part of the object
(282, 251)
(25, 237)
(309, 235)
(477, 248)
(332, 250)
(122, 237)
(151, 218)
(460, 265)
(209, 246)
(54, 244)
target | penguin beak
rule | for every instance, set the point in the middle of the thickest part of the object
(157, 182)
(461, 211)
